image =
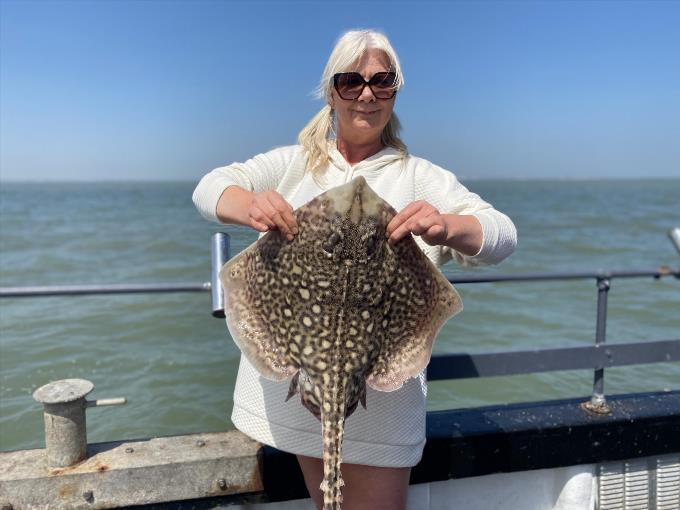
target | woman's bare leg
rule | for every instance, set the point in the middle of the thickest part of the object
(366, 487)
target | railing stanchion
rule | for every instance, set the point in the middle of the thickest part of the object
(598, 402)
(219, 256)
(674, 236)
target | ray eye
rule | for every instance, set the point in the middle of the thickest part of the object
(331, 243)
(372, 244)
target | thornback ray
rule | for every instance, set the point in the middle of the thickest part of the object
(336, 309)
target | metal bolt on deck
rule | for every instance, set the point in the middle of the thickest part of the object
(64, 411)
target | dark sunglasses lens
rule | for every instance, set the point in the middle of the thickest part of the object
(383, 85)
(349, 85)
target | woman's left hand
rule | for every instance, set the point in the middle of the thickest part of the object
(422, 219)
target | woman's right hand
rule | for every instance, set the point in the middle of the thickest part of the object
(269, 211)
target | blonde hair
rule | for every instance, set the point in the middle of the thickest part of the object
(348, 50)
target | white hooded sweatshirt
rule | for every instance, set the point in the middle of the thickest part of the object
(391, 431)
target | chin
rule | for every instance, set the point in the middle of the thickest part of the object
(364, 124)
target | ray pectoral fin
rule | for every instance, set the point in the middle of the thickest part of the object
(407, 348)
(248, 326)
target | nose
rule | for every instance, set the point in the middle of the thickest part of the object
(367, 95)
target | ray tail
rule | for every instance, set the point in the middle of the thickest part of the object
(333, 428)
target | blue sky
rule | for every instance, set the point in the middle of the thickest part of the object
(130, 90)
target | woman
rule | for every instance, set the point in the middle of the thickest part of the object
(359, 84)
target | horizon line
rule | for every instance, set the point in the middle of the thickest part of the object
(459, 177)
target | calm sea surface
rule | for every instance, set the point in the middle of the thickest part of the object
(176, 364)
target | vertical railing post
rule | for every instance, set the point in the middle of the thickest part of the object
(598, 402)
(219, 255)
(674, 236)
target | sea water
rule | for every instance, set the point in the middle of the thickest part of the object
(176, 364)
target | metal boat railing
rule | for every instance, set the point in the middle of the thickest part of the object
(596, 357)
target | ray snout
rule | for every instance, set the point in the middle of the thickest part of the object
(355, 200)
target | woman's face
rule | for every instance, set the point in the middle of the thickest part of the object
(362, 120)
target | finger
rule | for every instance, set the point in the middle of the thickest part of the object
(282, 225)
(279, 202)
(261, 227)
(290, 220)
(258, 216)
(412, 225)
(423, 225)
(286, 210)
(417, 229)
(404, 215)
(277, 208)
(402, 231)
(274, 217)
(436, 234)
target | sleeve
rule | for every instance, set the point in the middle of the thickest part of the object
(260, 173)
(442, 189)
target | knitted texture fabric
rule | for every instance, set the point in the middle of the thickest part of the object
(391, 431)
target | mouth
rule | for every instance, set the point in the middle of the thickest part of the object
(362, 112)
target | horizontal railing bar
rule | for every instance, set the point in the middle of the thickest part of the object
(601, 274)
(70, 290)
(489, 364)
(75, 290)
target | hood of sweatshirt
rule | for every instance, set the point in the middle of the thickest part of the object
(368, 166)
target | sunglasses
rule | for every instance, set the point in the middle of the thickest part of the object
(351, 85)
